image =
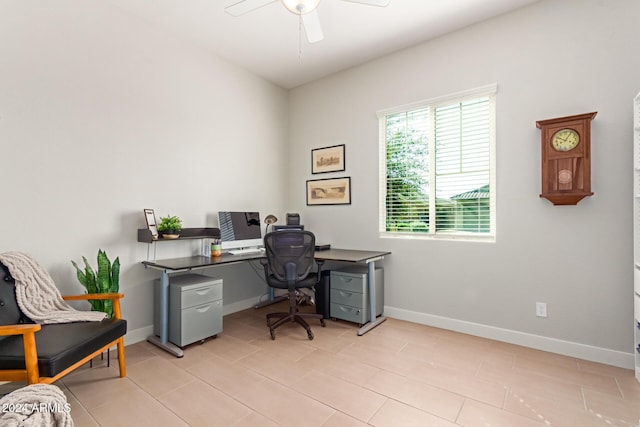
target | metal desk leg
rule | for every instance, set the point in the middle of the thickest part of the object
(163, 340)
(272, 299)
(371, 282)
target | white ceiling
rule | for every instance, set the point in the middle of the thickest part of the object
(266, 41)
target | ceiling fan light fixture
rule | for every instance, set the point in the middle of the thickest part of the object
(301, 7)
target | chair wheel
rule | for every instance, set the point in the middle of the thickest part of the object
(322, 323)
(310, 334)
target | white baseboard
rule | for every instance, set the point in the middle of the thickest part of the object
(137, 335)
(567, 348)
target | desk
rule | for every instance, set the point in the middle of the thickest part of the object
(178, 265)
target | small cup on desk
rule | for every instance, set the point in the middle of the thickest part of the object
(216, 249)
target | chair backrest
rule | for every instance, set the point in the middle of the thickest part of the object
(10, 313)
(290, 254)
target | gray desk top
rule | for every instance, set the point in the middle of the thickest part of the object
(193, 262)
(349, 255)
(188, 263)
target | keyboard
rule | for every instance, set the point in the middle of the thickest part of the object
(246, 251)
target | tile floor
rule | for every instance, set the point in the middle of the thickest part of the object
(399, 374)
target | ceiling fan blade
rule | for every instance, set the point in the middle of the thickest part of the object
(246, 6)
(381, 3)
(312, 26)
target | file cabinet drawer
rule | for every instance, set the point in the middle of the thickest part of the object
(201, 294)
(352, 299)
(196, 323)
(348, 281)
(351, 314)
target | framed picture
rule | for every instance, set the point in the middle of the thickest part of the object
(330, 191)
(150, 216)
(327, 159)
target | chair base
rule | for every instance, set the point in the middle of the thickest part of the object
(293, 316)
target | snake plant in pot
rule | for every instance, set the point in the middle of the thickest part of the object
(105, 280)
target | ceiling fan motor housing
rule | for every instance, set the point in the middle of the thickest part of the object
(301, 7)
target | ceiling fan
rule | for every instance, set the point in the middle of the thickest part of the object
(305, 9)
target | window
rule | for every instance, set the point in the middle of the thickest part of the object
(437, 167)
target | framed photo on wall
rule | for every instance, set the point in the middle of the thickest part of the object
(330, 191)
(327, 159)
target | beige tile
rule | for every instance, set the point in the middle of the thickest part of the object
(339, 419)
(230, 348)
(398, 374)
(551, 412)
(535, 384)
(397, 414)
(134, 408)
(83, 420)
(285, 406)
(569, 373)
(271, 365)
(254, 419)
(417, 394)
(230, 378)
(200, 404)
(385, 358)
(92, 387)
(476, 414)
(460, 382)
(617, 408)
(339, 366)
(157, 376)
(344, 396)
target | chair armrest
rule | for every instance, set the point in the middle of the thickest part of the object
(114, 297)
(19, 329)
(92, 296)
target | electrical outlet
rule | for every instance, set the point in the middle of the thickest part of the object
(541, 309)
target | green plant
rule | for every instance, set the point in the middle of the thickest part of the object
(104, 281)
(170, 223)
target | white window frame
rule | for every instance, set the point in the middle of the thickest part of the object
(479, 92)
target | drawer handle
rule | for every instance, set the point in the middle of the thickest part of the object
(203, 291)
(346, 279)
(345, 294)
(348, 309)
(203, 309)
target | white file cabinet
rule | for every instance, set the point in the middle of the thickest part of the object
(349, 294)
(195, 308)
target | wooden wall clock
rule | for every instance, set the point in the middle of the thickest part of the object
(566, 158)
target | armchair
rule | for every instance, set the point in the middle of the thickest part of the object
(288, 265)
(44, 353)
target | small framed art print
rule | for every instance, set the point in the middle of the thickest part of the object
(330, 191)
(327, 159)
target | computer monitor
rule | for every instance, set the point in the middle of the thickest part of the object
(240, 229)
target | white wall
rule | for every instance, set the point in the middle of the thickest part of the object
(101, 116)
(554, 58)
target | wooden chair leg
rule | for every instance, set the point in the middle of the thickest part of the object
(31, 358)
(121, 364)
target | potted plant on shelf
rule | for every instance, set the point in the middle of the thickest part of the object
(104, 281)
(170, 226)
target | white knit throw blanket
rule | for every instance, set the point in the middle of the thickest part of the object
(36, 405)
(37, 294)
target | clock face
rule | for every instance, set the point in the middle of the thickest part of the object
(565, 140)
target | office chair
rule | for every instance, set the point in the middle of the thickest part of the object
(288, 265)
